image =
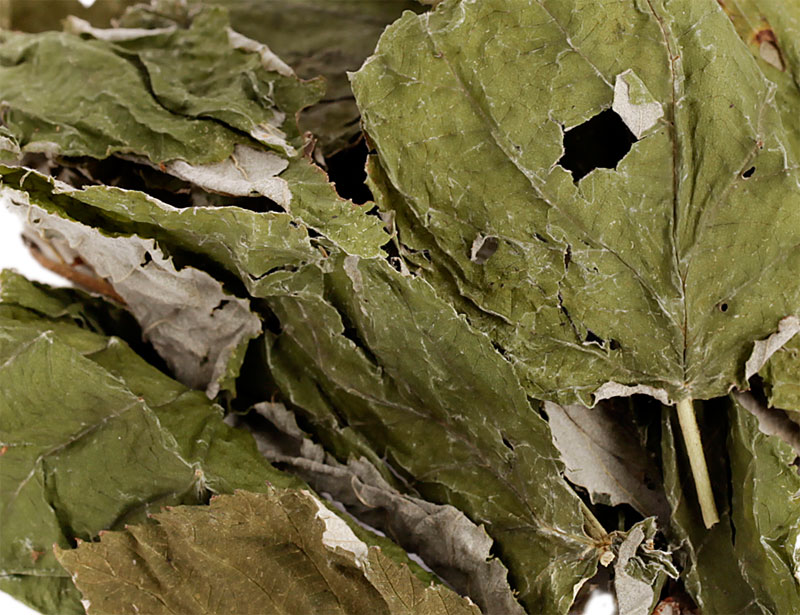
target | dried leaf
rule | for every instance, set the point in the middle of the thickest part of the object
(122, 440)
(602, 452)
(780, 376)
(200, 330)
(282, 551)
(650, 272)
(455, 548)
(319, 37)
(756, 571)
(640, 570)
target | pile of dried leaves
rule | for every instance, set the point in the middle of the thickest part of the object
(552, 343)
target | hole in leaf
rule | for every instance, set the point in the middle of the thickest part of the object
(483, 248)
(508, 444)
(346, 170)
(593, 338)
(723, 307)
(220, 305)
(749, 172)
(147, 259)
(601, 141)
(614, 345)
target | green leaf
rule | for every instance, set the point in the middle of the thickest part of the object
(462, 430)
(747, 563)
(49, 595)
(458, 550)
(780, 376)
(122, 92)
(320, 37)
(44, 15)
(277, 552)
(122, 440)
(766, 512)
(650, 276)
(338, 359)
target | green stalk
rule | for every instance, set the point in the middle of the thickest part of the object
(697, 460)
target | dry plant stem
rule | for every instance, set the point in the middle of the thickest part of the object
(697, 460)
(593, 527)
(93, 284)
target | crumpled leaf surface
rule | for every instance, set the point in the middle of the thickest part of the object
(766, 512)
(781, 376)
(319, 37)
(455, 548)
(221, 86)
(603, 452)
(348, 356)
(640, 570)
(756, 492)
(276, 552)
(200, 330)
(149, 440)
(195, 110)
(651, 274)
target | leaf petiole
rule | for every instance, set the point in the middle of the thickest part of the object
(697, 461)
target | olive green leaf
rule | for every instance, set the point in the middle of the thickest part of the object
(275, 552)
(462, 431)
(748, 562)
(455, 548)
(771, 31)
(603, 452)
(50, 595)
(765, 506)
(781, 376)
(122, 439)
(648, 275)
(338, 359)
(120, 91)
(319, 37)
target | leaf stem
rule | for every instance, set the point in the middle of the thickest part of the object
(697, 461)
(594, 528)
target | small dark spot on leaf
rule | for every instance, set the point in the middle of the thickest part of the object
(614, 345)
(749, 172)
(499, 348)
(540, 238)
(508, 444)
(567, 258)
(601, 141)
(148, 258)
